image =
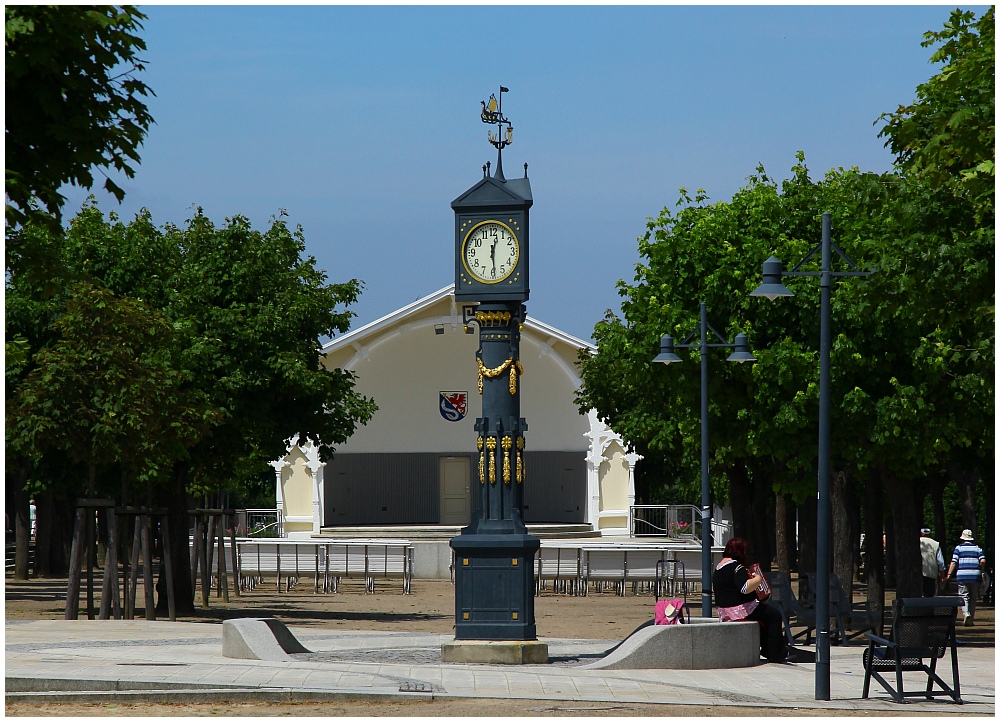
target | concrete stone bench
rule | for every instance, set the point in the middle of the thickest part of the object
(700, 644)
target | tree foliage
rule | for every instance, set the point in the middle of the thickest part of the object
(105, 390)
(74, 101)
(214, 329)
(947, 137)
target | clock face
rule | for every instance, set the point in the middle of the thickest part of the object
(490, 251)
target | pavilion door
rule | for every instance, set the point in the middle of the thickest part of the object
(455, 497)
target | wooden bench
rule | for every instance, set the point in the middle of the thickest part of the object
(922, 628)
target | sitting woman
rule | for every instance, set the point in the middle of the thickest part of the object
(735, 599)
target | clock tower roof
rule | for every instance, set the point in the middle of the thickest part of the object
(492, 192)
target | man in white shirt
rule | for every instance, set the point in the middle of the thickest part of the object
(932, 562)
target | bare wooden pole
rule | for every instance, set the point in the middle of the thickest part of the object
(223, 578)
(195, 550)
(147, 570)
(206, 569)
(109, 587)
(235, 557)
(73, 586)
(169, 569)
(134, 581)
(91, 560)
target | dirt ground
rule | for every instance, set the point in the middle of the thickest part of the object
(430, 708)
(430, 608)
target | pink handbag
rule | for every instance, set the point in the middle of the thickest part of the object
(670, 611)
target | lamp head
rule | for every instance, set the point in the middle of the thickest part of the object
(772, 287)
(667, 355)
(742, 353)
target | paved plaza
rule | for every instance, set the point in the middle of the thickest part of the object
(122, 661)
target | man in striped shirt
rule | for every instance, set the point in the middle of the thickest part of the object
(968, 559)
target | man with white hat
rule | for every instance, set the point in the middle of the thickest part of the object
(932, 562)
(969, 560)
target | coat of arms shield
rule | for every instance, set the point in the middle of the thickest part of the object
(453, 405)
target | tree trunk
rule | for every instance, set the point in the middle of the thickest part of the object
(906, 528)
(966, 479)
(874, 551)
(764, 519)
(843, 543)
(937, 504)
(22, 522)
(781, 533)
(44, 513)
(741, 500)
(807, 540)
(176, 501)
(890, 546)
(749, 523)
(988, 543)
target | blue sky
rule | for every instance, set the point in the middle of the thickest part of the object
(363, 124)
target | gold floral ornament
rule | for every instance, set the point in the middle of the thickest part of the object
(482, 458)
(491, 444)
(520, 464)
(493, 318)
(507, 444)
(516, 369)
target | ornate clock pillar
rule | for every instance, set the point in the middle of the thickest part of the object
(494, 555)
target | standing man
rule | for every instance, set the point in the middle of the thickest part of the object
(969, 560)
(933, 562)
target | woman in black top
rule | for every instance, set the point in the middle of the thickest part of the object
(735, 599)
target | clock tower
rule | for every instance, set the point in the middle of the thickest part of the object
(494, 555)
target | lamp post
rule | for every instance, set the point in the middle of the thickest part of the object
(740, 355)
(772, 288)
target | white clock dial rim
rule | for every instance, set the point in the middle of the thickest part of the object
(465, 252)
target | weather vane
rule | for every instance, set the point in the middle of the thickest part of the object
(492, 114)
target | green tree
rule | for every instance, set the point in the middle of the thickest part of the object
(947, 137)
(762, 417)
(106, 390)
(246, 310)
(945, 149)
(74, 101)
(912, 357)
(104, 393)
(897, 393)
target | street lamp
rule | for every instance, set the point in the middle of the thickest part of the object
(740, 355)
(772, 288)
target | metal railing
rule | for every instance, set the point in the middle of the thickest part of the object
(260, 523)
(674, 521)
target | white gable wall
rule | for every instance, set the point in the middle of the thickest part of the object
(403, 362)
(405, 370)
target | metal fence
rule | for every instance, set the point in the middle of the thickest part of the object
(260, 523)
(680, 521)
(674, 521)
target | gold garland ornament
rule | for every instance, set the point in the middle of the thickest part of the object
(506, 443)
(491, 444)
(515, 367)
(482, 458)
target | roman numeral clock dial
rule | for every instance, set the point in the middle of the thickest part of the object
(490, 251)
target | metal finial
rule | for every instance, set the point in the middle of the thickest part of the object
(525, 170)
(487, 167)
(484, 170)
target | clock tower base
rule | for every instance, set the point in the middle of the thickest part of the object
(495, 586)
